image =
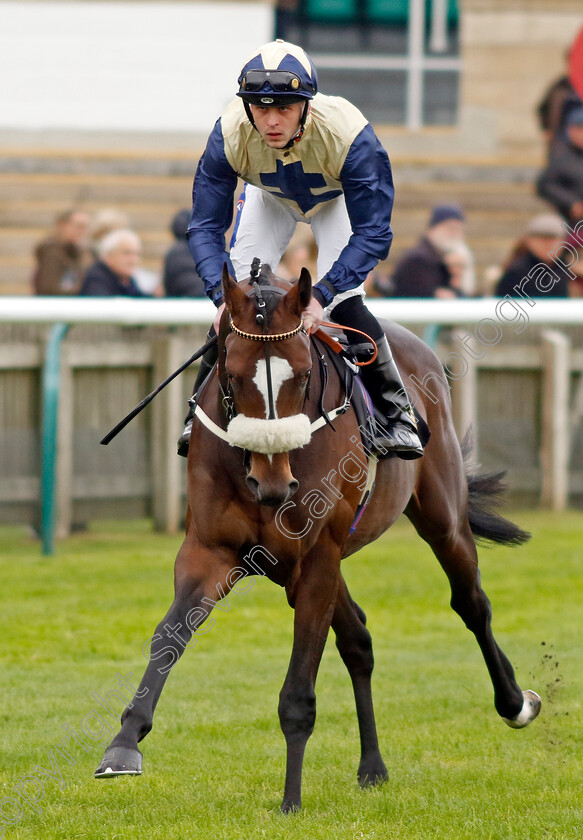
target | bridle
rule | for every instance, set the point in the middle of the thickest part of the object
(261, 321)
(296, 430)
(265, 336)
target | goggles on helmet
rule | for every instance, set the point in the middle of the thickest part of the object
(278, 81)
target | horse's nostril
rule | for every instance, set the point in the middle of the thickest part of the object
(253, 485)
(293, 486)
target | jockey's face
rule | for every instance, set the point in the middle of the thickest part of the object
(277, 125)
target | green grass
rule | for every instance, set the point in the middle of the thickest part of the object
(213, 764)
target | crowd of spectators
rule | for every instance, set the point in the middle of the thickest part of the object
(102, 255)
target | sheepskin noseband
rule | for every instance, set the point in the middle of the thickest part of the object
(269, 436)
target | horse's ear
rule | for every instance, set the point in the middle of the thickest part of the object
(235, 297)
(300, 295)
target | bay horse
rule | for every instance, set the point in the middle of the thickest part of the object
(259, 440)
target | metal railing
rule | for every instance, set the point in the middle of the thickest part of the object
(484, 317)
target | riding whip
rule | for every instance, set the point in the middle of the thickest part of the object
(135, 411)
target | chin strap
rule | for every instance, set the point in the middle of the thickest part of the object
(249, 114)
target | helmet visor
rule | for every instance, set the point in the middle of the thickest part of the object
(278, 81)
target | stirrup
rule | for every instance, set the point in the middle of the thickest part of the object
(184, 440)
(397, 437)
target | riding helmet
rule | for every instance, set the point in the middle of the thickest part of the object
(278, 73)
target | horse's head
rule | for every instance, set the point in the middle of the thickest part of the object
(265, 371)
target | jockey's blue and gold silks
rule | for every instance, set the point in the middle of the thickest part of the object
(338, 154)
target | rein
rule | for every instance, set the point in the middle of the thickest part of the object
(334, 344)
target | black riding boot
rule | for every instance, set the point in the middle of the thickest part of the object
(207, 363)
(383, 382)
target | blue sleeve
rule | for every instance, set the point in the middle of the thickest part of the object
(367, 183)
(212, 212)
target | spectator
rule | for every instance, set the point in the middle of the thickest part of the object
(109, 219)
(542, 236)
(62, 258)
(181, 278)
(554, 107)
(113, 273)
(572, 256)
(104, 222)
(561, 183)
(460, 264)
(422, 271)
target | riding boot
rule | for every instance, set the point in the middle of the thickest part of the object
(397, 429)
(207, 363)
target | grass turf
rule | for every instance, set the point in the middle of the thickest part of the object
(213, 764)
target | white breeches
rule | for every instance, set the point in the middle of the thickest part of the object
(265, 226)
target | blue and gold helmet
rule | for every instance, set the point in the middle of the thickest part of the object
(278, 73)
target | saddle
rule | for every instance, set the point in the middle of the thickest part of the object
(343, 356)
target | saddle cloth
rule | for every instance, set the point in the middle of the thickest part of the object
(343, 359)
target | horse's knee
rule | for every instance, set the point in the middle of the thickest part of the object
(359, 612)
(356, 652)
(297, 713)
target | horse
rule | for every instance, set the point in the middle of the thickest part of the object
(264, 434)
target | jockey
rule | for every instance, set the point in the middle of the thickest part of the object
(304, 157)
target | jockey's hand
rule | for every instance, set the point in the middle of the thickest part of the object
(313, 316)
(218, 317)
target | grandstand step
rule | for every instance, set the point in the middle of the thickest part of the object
(142, 216)
(65, 190)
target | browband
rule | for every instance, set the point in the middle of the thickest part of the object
(262, 337)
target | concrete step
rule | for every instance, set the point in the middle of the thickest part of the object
(41, 214)
(134, 189)
(18, 241)
(65, 190)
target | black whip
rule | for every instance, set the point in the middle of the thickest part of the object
(135, 411)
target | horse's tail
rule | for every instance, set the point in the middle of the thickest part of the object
(484, 492)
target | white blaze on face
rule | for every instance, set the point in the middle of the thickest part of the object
(276, 435)
(281, 370)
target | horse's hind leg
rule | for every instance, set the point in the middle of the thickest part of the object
(198, 574)
(354, 644)
(438, 511)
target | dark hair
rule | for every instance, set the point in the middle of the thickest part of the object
(66, 215)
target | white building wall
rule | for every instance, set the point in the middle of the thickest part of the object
(124, 66)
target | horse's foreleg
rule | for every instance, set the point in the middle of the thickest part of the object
(314, 600)
(354, 644)
(198, 574)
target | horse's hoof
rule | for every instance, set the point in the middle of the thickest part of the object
(372, 775)
(530, 709)
(120, 761)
